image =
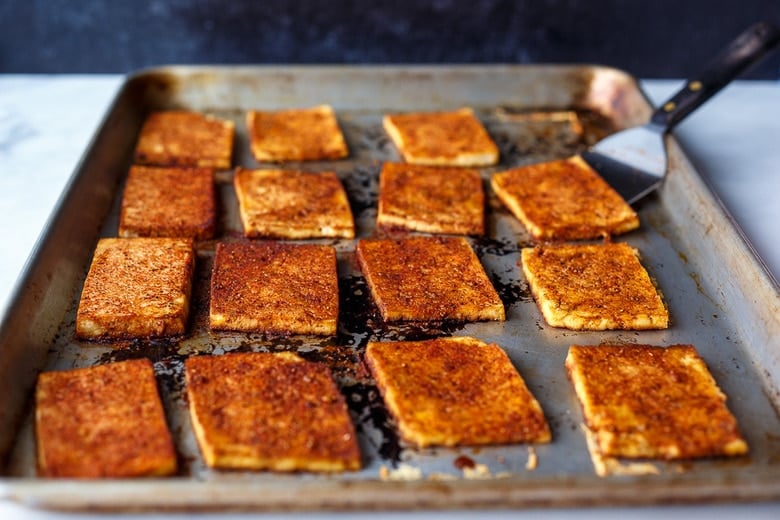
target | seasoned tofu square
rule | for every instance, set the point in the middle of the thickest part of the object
(455, 138)
(455, 391)
(564, 200)
(274, 287)
(643, 401)
(168, 202)
(428, 279)
(431, 199)
(269, 411)
(184, 138)
(298, 134)
(293, 204)
(137, 287)
(593, 287)
(103, 421)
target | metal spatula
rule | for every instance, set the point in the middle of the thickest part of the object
(634, 161)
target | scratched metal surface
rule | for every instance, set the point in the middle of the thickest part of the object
(719, 299)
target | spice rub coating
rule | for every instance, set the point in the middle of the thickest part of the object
(293, 204)
(564, 200)
(299, 134)
(431, 199)
(271, 411)
(455, 391)
(183, 138)
(137, 287)
(455, 138)
(274, 287)
(593, 287)
(643, 401)
(428, 279)
(103, 421)
(168, 202)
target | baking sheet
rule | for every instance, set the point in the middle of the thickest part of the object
(719, 298)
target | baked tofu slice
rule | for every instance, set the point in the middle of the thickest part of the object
(183, 138)
(274, 287)
(269, 411)
(643, 401)
(428, 279)
(455, 391)
(454, 138)
(293, 204)
(431, 199)
(168, 202)
(102, 421)
(564, 200)
(593, 287)
(300, 134)
(137, 287)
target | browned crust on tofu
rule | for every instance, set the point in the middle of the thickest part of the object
(293, 204)
(428, 278)
(303, 134)
(593, 287)
(269, 411)
(182, 138)
(103, 421)
(642, 401)
(431, 199)
(455, 138)
(564, 200)
(168, 202)
(455, 391)
(137, 287)
(274, 287)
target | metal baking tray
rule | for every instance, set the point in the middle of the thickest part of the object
(720, 298)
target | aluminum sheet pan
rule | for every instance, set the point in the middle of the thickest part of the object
(719, 296)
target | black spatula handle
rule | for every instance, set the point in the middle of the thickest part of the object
(747, 49)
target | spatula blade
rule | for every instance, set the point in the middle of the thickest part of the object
(631, 183)
(632, 161)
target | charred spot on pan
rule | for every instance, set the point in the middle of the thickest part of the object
(367, 137)
(511, 291)
(362, 186)
(417, 331)
(357, 311)
(380, 141)
(464, 461)
(170, 374)
(155, 349)
(360, 321)
(268, 341)
(369, 413)
(345, 363)
(485, 245)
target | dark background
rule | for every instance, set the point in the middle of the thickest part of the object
(648, 38)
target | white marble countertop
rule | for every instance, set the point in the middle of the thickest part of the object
(46, 123)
